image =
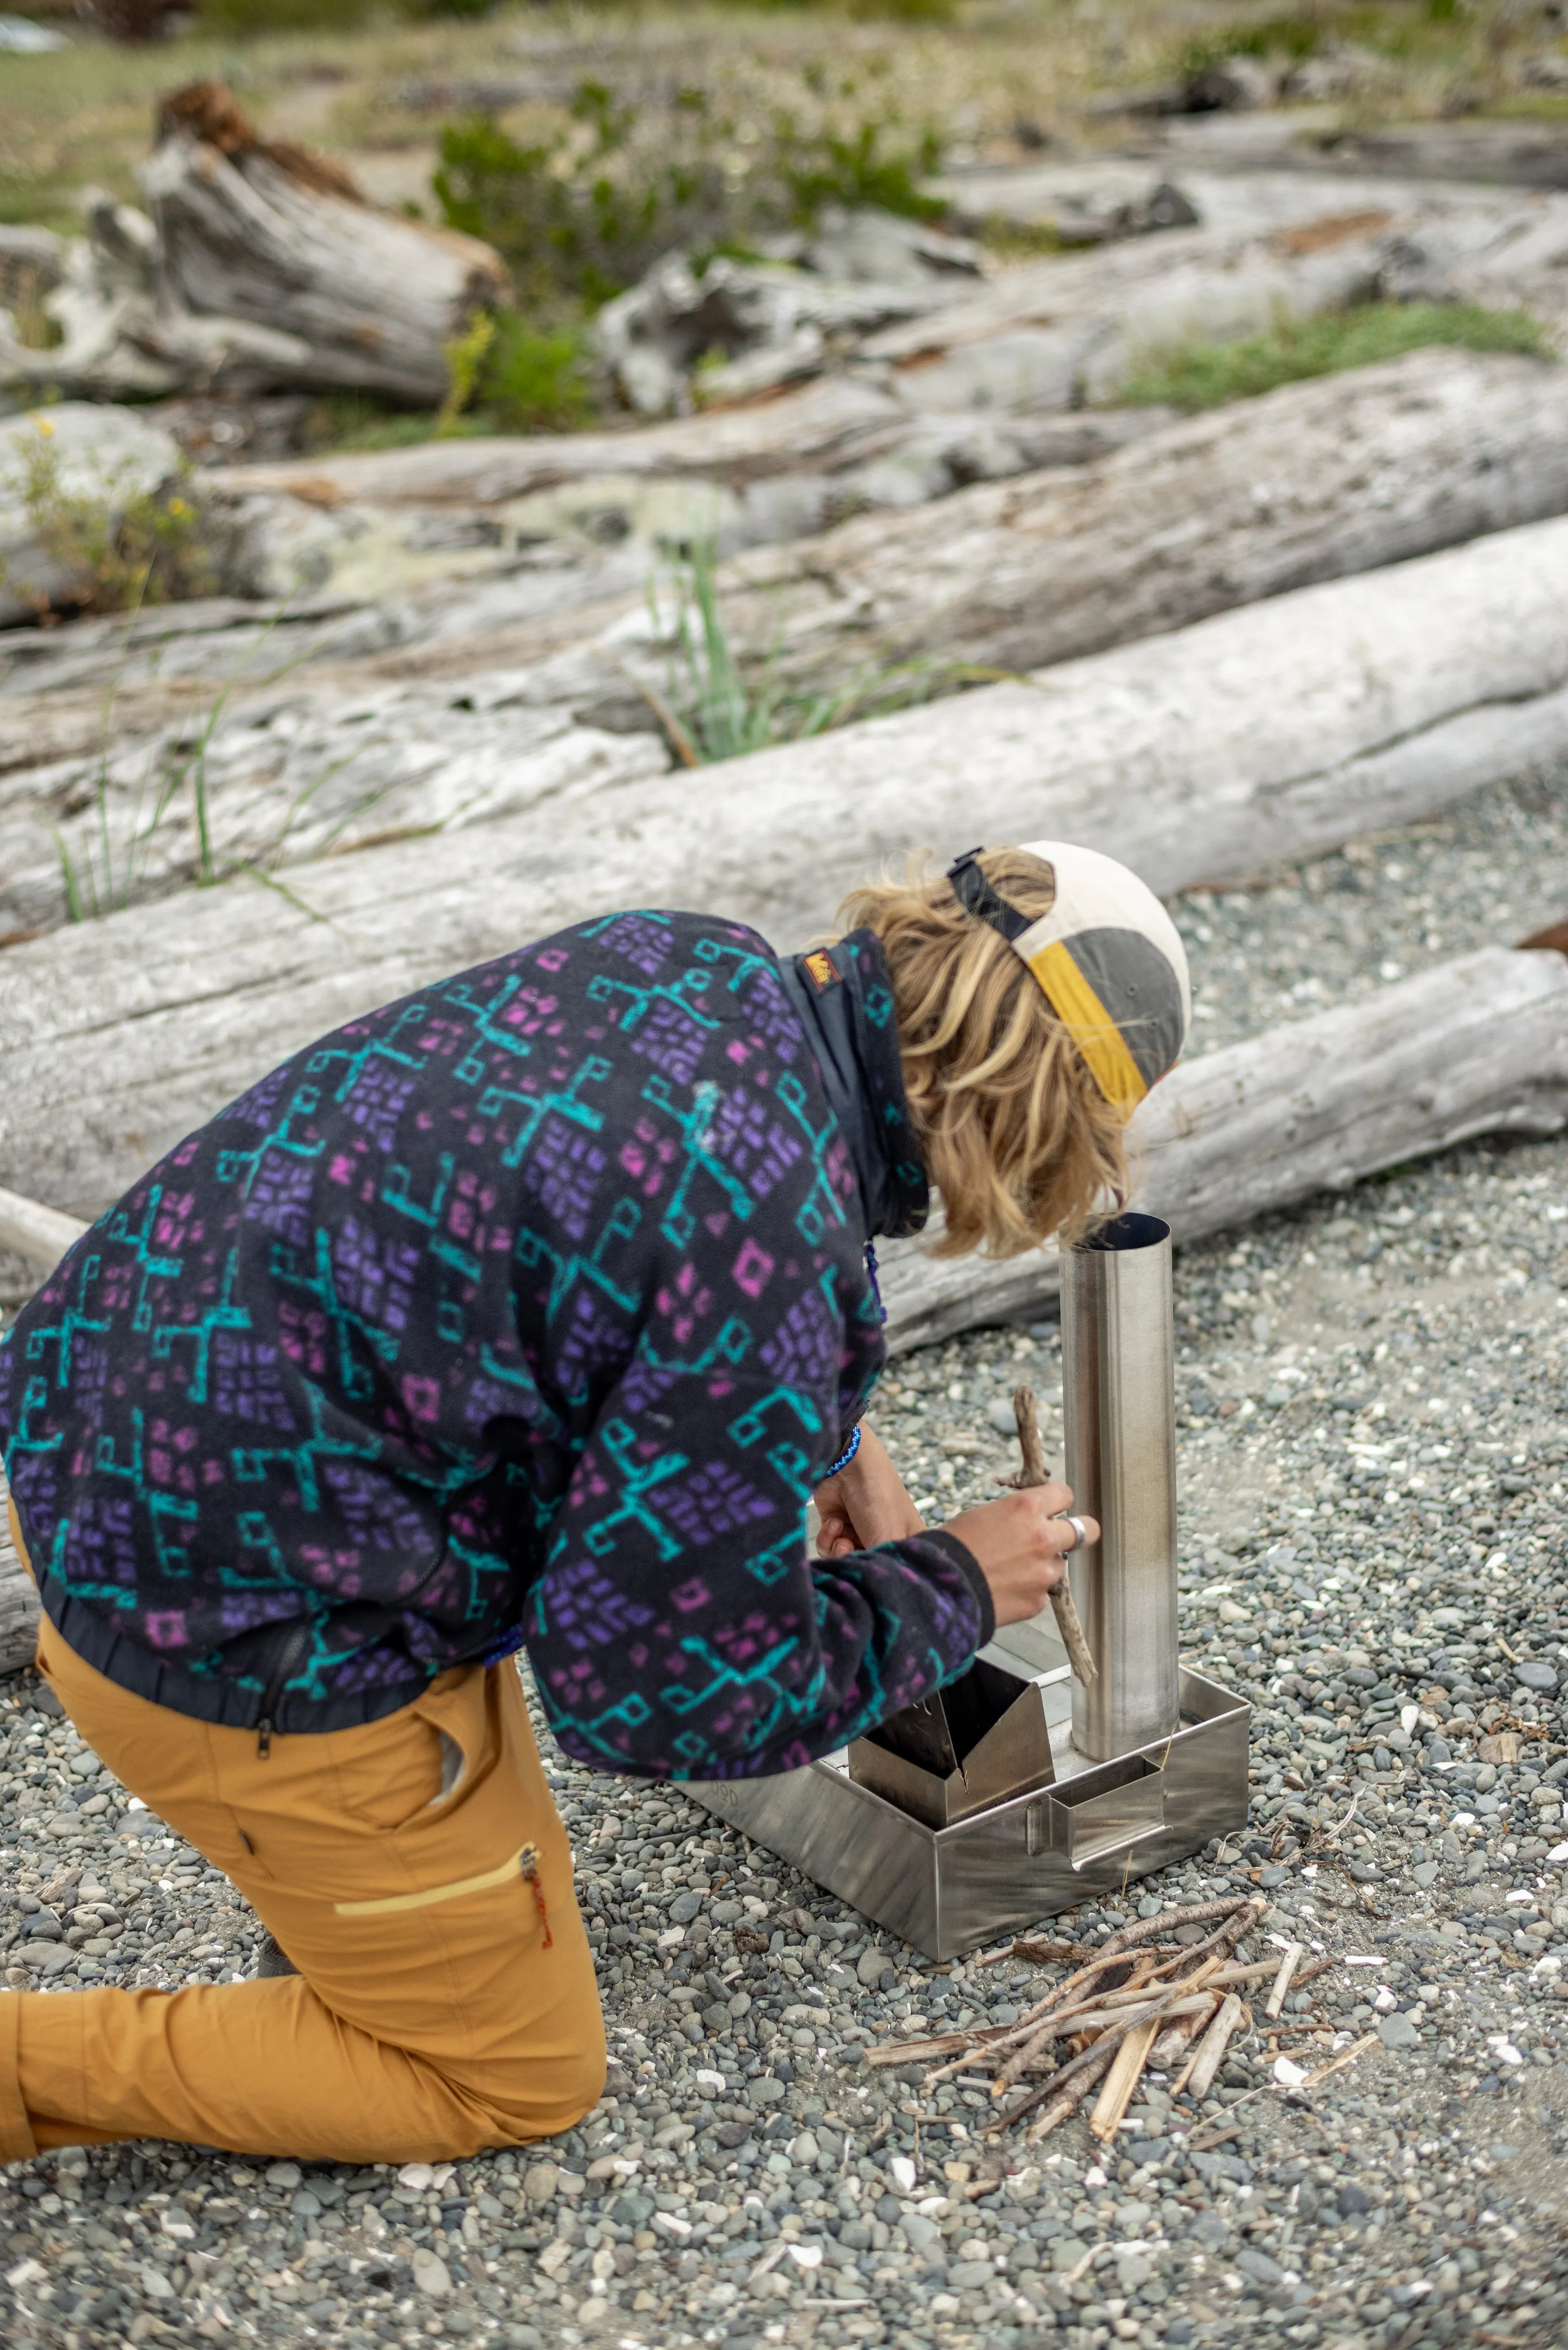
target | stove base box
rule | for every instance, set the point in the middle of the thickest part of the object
(1097, 1826)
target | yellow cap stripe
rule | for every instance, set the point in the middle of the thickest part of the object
(493, 1876)
(1090, 1026)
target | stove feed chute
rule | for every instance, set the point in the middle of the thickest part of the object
(982, 1738)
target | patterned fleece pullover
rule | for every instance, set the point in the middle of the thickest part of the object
(529, 1309)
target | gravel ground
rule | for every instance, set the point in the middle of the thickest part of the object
(1374, 1460)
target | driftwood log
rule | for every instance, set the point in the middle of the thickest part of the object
(1271, 732)
(258, 265)
(38, 1234)
(1479, 1045)
(1076, 324)
(1421, 680)
(1315, 482)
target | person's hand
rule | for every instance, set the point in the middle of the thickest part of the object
(865, 1504)
(1021, 1543)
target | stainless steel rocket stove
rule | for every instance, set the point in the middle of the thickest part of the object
(1015, 1793)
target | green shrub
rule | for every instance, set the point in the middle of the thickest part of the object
(573, 221)
(825, 169)
(584, 210)
(1207, 375)
(536, 380)
(1295, 37)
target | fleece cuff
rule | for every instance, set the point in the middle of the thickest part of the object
(964, 1559)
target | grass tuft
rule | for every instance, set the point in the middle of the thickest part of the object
(118, 548)
(1209, 375)
(535, 379)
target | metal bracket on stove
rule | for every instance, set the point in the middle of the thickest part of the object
(1099, 1813)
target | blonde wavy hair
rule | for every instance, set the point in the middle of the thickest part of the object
(1017, 1136)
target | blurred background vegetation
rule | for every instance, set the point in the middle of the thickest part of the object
(584, 141)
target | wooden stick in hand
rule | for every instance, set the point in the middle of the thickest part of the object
(1034, 1473)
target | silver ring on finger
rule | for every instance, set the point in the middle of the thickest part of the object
(1080, 1533)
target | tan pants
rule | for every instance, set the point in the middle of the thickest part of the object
(445, 1999)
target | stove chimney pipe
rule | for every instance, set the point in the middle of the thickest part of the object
(1119, 1378)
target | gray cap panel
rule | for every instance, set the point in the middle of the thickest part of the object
(1135, 983)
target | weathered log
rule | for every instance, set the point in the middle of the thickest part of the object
(1080, 323)
(843, 419)
(453, 579)
(1479, 1045)
(1517, 154)
(40, 1235)
(1314, 482)
(1265, 734)
(1356, 472)
(283, 240)
(265, 269)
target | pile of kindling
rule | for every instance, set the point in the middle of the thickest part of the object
(1136, 2000)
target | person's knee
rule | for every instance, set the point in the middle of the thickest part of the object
(548, 2095)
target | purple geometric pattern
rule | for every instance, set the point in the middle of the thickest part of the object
(280, 1196)
(377, 1098)
(374, 1273)
(670, 1039)
(802, 1347)
(715, 1501)
(747, 1136)
(562, 1172)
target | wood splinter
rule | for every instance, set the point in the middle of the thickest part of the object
(1293, 1955)
(1121, 2081)
(1198, 2077)
(1034, 1473)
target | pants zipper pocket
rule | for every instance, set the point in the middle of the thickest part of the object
(290, 1657)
